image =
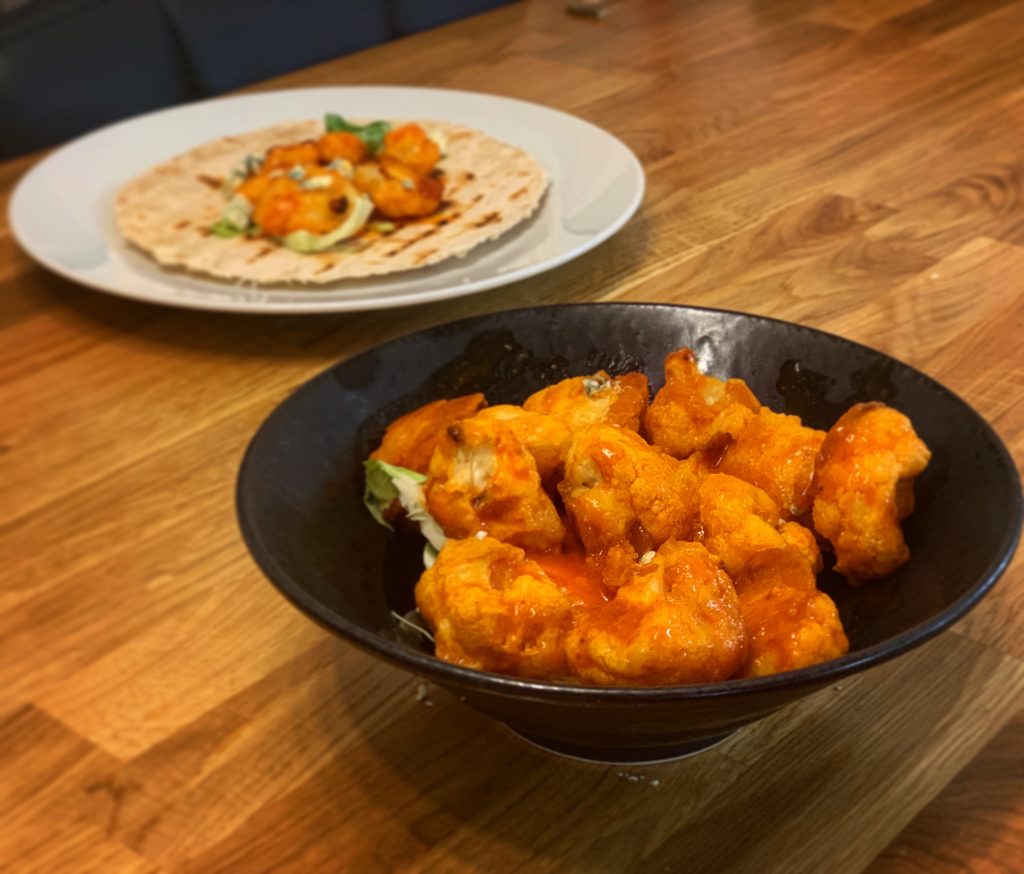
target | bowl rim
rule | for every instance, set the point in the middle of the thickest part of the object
(546, 690)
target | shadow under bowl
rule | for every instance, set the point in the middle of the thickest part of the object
(301, 512)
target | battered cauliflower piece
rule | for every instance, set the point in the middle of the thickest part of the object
(865, 475)
(789, 623)
(283, 157)
(617, 489)
(482, 478)
(341, 146)
(776, 453)
(739, 520)
(280, 205)
(410, 440)
(493, 609)
(675, 621)
(598, 399)
(546, 438)
(397, 190)
(411, 145)
(693, 411)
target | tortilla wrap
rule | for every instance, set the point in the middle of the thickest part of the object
(168, 211)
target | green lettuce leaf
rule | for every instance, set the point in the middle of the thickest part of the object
(387, 482)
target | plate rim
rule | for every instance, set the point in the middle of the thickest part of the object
(543, 690)
(228, 304)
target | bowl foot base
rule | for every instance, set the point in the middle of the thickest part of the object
(603, 755)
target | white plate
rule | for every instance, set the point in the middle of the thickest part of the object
(62, 210)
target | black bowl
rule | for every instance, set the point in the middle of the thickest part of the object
(300, 507)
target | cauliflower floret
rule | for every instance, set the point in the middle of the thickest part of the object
(864, 478)
(483, 479)
(693, 411)
(397, 190)
(739, 520)
(776, 453)
(619, 489)
(598, 399)
(789, 623)
(546, 438)
(493, 609)
(675, 621)
(410, 440)
(411, 145)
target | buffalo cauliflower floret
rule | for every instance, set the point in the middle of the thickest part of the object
(598, 399)
(482, 478)
(410, 440)
(675, 621)
(864, 477)
(546, 438)
(776, 453)
(693, 411)
(493, 609)
(617, 489)
(789, 623)
(739, 520)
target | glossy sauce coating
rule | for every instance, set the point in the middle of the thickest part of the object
(579, 580)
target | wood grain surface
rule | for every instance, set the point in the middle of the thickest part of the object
(855, 165)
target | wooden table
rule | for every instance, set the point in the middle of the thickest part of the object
(854, 165)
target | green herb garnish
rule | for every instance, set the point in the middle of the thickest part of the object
(372, 134)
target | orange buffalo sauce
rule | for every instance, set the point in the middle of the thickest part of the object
(571, 573)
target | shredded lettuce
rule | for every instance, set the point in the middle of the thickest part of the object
(429, 555)
(387, 482)
(372, 134)
(414, 622)
(381, 491)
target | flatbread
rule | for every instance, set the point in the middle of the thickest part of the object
(168, 211)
